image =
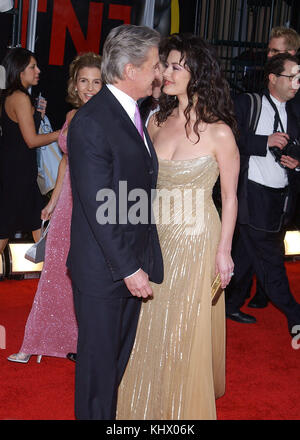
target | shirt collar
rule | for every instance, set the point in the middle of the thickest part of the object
(278, 104)
(126, 101)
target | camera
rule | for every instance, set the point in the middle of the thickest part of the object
(291, 149)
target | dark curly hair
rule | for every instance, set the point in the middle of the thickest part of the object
(214, 102)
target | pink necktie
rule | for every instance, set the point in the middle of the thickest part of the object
(138, 121)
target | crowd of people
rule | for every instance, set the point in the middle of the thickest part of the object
(135, 240)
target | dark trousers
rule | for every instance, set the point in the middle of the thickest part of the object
(106, 333)
(261, 253)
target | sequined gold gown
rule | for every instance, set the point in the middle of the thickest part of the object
(177, 366)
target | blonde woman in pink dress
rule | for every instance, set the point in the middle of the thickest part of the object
(51, 328)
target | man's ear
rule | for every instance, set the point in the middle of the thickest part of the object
(272, 78)
(130, 71)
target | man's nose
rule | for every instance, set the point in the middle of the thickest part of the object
(157, 73)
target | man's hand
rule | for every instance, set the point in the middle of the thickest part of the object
(138, 284)
(278, 140)
(289, 162)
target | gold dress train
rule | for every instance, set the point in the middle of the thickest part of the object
(177, 366)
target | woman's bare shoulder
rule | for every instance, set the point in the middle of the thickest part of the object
(18, 97)
(220, 130)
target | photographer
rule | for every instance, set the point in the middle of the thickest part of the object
(267, 187)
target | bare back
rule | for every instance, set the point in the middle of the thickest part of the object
(13, 102)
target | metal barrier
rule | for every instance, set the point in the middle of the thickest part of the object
(240, 29)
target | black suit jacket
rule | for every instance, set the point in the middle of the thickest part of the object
(104, 149)
(251, 144)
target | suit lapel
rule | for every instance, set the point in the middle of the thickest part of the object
(152, 151)
(124, 118)
(292, 126)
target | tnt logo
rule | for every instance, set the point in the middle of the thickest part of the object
(2, 338)
(296, 338)
(2, 77)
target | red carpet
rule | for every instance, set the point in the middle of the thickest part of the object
(263, 378)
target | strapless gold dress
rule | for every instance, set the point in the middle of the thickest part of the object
(177, 365)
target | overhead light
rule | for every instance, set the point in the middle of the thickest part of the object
(292, 243)
(18, 263)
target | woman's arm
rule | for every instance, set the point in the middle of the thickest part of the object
(23, 112)
(49, 208)
(227, 155)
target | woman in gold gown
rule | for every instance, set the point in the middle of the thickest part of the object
(177, 366)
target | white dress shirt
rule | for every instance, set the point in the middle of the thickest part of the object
(264, 169)
(128, 103)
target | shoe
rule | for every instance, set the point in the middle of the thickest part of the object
(258, 302)
(71, 356)
(22, 358)
(241, 317)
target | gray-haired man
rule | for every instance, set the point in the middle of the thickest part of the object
(111, 262)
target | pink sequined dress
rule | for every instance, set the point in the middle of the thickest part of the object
(51, 327)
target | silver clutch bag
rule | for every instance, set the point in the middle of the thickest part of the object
(36, 253)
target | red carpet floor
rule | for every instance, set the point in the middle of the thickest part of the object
(263, 378)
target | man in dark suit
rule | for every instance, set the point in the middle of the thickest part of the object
(114, 249)
(282, 40)
(266, 193)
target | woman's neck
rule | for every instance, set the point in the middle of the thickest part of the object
(182, 105)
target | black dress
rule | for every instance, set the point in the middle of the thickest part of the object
(21, 201)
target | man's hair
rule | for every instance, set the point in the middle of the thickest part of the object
(276, 64)
(291, 37)
(126, 44)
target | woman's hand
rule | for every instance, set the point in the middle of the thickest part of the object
(41, 106)
(47, 211)
(225, 267)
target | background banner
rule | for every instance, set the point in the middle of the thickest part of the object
(67, 27)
